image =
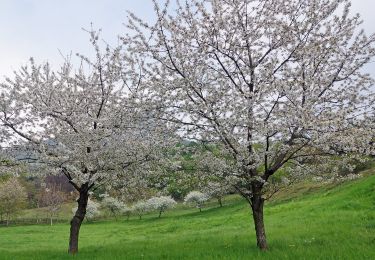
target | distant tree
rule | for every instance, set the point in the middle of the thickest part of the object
(135, 187)
(112, 205)
(59, 180)
(161, 204)
(140, 208)
(197, 198)
(273, 81)
(12, 198)
(92, 210)
(212, 171)
(126, 211)
(216, 190)
(52, 198)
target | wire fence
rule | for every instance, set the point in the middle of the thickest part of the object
(32, 221)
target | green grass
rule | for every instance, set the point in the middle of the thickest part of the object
(324, 223)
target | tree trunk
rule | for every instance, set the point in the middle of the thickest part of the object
(220, 202)
(160, 213)
(51, 221)
(257, 203)
(75, 223)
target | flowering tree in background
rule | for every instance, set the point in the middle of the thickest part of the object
(213, 171)
(140, 208)
(197, 198)
(91, 124)
(92, 210)
(216, 190)
(161, 204)
(52, 198)
(113, 205)
(127, 211)
(12, 198)
(273, 81)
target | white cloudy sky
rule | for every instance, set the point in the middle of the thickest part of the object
(40, 28)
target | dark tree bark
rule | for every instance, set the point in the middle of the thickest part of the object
(220, 202)
(257, 204)
(75, 223)
(160, 213)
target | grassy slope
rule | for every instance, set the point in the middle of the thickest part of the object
(328, 223)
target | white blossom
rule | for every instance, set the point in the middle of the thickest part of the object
(196, 198)
(161, 203)
(113, 205)
(92, 210)
(272, 81)
(140, 208)
(92, 123)
(127, 211)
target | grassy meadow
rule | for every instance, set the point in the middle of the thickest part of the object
(308, 222)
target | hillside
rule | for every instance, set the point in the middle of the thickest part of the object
(330, 222)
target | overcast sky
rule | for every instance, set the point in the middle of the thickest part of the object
(40, 28)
